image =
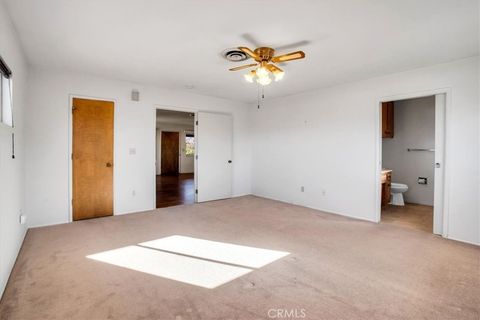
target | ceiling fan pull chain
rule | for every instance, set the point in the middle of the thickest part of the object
(258, 96)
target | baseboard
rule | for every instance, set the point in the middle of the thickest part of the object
(241, 195)
(4, 285)
(463, 241)
(340, 214)
(352, 217)
(46, 224)
(316, 208)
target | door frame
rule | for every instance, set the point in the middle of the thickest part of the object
(70, 148)
(443, 210)
(195, 111)
(195, 127)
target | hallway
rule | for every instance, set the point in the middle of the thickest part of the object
(174, 190)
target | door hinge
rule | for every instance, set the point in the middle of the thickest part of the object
(196, 157)
(71, 156)
(196, 122)
(196, 191)
(74, 108)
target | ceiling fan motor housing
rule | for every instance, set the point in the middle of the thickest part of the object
(265, 53)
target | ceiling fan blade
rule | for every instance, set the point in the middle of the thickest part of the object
(293, 45)
(289, 56)
(243, 67)
(273, 68)
(250, 53)
(251, 39)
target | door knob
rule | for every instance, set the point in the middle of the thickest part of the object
(437, 165)
(229, 161)
(109, 164)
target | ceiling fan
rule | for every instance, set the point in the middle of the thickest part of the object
(264, 66)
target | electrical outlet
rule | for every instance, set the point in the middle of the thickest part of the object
(302, 189)
(23, 219)
(133, 193)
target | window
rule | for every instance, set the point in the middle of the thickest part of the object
(189, 144)
(6, 114)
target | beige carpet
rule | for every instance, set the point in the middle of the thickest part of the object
(338, 268)
(415, 216)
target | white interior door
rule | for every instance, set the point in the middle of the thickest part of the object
(438, 216)
(214, 156)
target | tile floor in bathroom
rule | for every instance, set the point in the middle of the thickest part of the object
(414, 216)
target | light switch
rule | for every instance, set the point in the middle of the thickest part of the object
(132, 151)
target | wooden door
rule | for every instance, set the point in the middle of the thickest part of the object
(170, 153)
(92, 158)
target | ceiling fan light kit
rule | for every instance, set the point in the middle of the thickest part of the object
(265, 69)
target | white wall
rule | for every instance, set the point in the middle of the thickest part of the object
(326, 141)
(11, 170)
(414, 127)
(47, 164)
(186, 164)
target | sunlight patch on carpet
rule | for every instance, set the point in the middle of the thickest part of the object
(198, 272)
(199, 262)
(218, 251)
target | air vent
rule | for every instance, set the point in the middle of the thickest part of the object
(234, 54)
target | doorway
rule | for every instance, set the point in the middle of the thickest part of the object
(175, 145)
(204, 153)
(92, 158)
(412, 162)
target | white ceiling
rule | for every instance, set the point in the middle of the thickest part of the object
(175, 43)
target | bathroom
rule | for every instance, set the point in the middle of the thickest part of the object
(408, 162)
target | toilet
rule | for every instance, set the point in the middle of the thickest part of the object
(397, 190)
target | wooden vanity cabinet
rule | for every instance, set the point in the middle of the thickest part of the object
(387, 119)
(386, 187)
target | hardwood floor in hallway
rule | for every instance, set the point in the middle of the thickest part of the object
(174, 190)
